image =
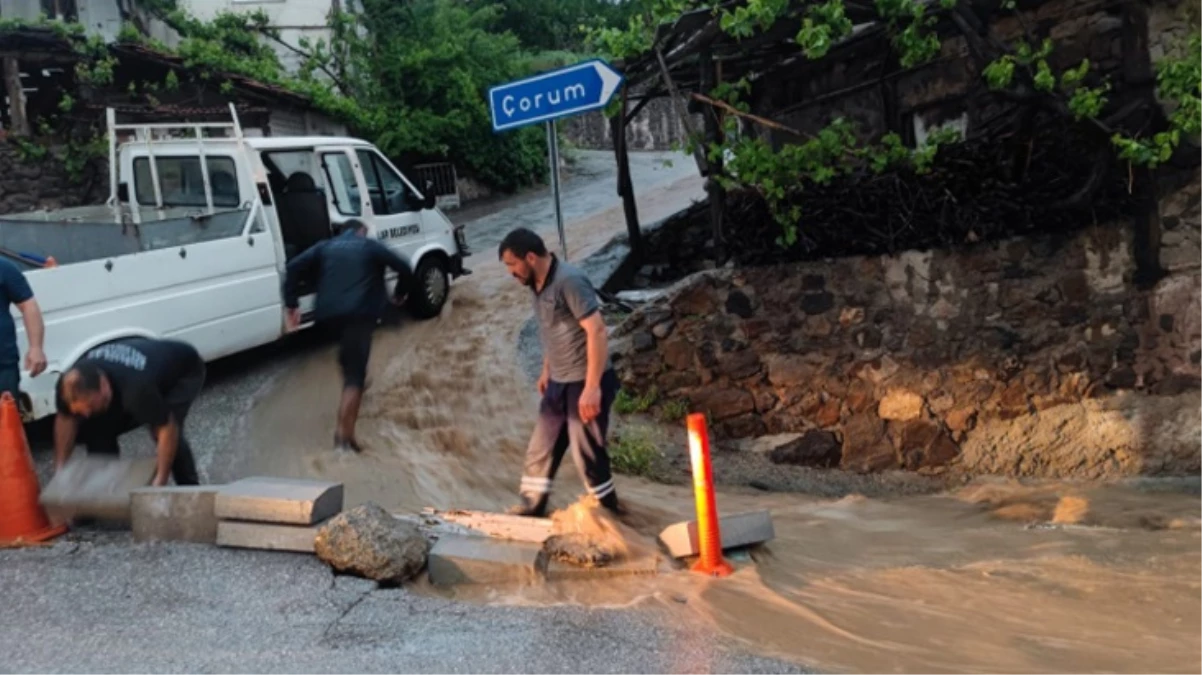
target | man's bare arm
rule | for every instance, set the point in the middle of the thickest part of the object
(35, 331)
(65, 428)
(598, 349)
(167, 440)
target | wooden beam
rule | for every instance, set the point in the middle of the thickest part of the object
(698, 152)
(1138, 77)
(19, 124)
(481, 524)
(625, 185)
(713, 134)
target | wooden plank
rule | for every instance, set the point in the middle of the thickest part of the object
(481, 524)
(16, 97)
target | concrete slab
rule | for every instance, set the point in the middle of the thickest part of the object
(176, 513)
(739, 529)
(267, 536)
(486, 524)
(291, 501)
(562, 571)
(96, 487)
(482, 560)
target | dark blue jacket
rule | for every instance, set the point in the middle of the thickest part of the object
(14, 290)
(349, 272)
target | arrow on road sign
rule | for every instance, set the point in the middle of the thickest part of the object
(548, 96)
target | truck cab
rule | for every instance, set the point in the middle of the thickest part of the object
(196, 236)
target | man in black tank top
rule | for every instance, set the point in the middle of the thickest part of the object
(126, 384)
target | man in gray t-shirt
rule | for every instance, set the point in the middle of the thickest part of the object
(577, 383)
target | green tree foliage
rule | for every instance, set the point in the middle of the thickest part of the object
(780, 174)
(422, 70)
(556, 25)
(411, 77)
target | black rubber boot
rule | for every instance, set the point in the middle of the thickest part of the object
(610, 503)
(529, 510)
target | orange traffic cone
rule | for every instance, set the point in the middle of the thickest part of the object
(22, 519)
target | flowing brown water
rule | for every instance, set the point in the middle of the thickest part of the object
(995, 577)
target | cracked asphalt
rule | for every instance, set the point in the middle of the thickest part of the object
(107, 605)
(97, 602)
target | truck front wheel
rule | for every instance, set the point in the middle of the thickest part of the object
(432, 288)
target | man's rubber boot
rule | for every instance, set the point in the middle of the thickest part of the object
(529, 510)
(610, 503)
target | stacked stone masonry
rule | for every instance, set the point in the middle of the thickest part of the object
(29, 184)
(1024, 357)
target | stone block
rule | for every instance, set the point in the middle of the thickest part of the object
(289, 501)
(96, 487)
(176, 513)
(737, 530)
(267, 536)
(481, 560)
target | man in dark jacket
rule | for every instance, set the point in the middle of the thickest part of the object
(349, 273)
(15, 290)
(125, 384)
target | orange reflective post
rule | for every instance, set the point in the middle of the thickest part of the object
(709, 538)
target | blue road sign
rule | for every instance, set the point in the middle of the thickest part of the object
(548, 96)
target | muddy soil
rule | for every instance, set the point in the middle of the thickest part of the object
(862, 576)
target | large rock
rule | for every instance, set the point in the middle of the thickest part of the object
(925, 445)
(865, 446)
(815, 448)
(723, 403)
(900, 405)
(367, 541)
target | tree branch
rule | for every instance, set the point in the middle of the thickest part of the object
(762, 121)
(338, 82)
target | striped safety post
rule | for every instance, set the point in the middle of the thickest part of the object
(709, 538)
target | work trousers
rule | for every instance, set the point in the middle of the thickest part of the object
(559, 428)
(100, 434)
(10, 378)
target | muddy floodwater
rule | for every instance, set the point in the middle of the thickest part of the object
(991, 577)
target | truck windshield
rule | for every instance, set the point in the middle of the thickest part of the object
(182, 183)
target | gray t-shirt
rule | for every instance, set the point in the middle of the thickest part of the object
(567, 299)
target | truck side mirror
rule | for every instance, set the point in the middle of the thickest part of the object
(123, 192)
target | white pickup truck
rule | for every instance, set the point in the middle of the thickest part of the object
(193, 242)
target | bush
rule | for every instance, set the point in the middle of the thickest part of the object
(633, 454)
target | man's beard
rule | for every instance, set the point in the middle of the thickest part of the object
(528, 280)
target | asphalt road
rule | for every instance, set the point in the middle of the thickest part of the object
(97, 602)
(111, 606)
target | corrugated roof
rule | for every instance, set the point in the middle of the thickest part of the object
(42, 42)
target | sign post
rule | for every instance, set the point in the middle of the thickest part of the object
(550, 96)
(553, 154)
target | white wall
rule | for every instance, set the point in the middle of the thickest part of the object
(295, 19)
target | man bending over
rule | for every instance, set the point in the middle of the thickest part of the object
(125, 384)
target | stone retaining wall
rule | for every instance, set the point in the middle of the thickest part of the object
(28, 184)
(1026, 357)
